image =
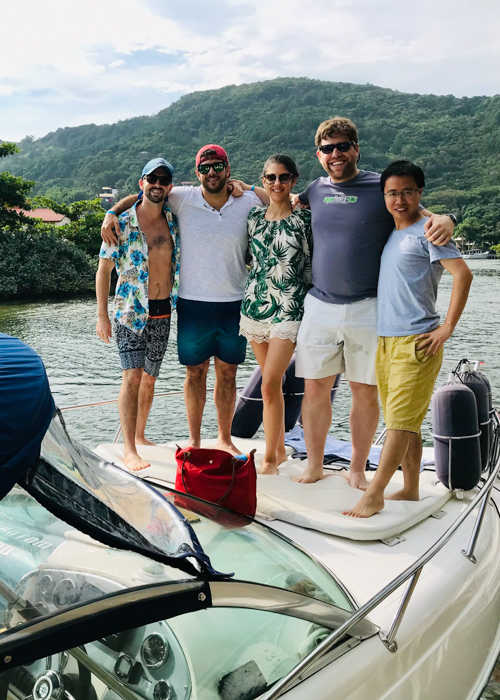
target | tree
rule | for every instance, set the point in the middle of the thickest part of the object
(35, 260)
(86, 218)
(13, 192)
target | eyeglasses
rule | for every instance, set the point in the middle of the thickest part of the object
(343, 147)
(205, 169)
(284, 178)
(392, 194)
(164, 180)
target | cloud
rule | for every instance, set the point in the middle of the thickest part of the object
(72, 64)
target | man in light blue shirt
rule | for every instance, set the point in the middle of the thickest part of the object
(411, 338)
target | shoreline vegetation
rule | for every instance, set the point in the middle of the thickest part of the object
(455, 140)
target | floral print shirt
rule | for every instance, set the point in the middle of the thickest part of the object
(280, 272)
(130, 255)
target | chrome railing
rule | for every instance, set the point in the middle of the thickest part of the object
(412, 572)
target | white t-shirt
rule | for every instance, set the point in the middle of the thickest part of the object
(213, 244)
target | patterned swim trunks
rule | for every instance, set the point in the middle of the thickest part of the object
(148, 349)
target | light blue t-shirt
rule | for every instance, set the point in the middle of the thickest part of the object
(409, 276)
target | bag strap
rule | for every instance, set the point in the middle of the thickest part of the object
(186, 455)
(234, 462)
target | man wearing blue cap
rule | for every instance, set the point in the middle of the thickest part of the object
(146, 258)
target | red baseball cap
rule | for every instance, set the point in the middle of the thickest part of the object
(220, 153)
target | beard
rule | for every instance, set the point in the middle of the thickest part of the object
(348, 172)
(217, 187)
(155, 198)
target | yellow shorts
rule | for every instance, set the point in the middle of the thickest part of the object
(405, 379)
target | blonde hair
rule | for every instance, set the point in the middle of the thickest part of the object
(334, 127)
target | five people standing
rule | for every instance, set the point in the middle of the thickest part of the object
(350, 227)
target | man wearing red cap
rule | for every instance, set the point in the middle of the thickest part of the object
(213, 236)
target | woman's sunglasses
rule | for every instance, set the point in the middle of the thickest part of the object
(343, 147)
(205, 169)
(284, 178)
(164, 180)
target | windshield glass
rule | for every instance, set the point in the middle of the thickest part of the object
(110, 503)
(256, 553)
(216, 654)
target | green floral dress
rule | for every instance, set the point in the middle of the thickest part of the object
(279, 277)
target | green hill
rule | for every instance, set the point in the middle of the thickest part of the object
(455, 140)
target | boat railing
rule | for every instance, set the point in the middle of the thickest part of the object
(410, 575)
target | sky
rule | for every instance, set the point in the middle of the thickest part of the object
(66, 64)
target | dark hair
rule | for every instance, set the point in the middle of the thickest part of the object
(286, 161)
(400, 168)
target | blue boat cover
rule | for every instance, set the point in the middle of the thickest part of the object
(26, 409)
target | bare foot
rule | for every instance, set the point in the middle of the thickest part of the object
(134, 462)
(228, 447)
(357, 480)
(144, 441)
(268, 468)
(309, 476)
(367, 506)
(404, 495)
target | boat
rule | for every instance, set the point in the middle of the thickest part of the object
(115, 586)
(476, 254)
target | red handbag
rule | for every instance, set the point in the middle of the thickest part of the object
(218, 477)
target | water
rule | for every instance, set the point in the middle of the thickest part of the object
(82, 369)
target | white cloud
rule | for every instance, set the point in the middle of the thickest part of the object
(72, 63)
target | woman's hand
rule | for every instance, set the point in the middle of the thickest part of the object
(237, 187)
(434, 340)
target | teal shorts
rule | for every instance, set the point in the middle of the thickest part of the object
(209, 329)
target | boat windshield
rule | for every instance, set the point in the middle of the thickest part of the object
(47, 566)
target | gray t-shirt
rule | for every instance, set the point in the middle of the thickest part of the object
(213, 244)
(409, 276)
(350, 225)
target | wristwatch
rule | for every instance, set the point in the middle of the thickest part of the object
(453, 218)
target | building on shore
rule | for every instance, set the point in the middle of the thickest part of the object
(46, 215)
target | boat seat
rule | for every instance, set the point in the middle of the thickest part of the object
(316, 506)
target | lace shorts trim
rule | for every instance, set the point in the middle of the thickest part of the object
(262, 332)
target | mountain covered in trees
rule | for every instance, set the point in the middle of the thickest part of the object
(455, 140)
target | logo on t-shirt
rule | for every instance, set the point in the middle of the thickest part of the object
(340, 199)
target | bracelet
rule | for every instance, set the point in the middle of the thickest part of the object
(252, 188)
(110, 211)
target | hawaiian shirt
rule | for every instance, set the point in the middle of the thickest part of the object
(130, 255)
(280, 271)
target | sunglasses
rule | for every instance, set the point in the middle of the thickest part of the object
(164, 180)
(342, 147)
(205, 169)
(284, 178)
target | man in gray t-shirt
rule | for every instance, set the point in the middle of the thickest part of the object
(410, 346)
(338, 333)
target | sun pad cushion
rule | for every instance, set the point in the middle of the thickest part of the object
(316, 506)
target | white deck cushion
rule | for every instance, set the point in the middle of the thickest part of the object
(316, 506)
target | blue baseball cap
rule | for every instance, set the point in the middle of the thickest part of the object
(157, 163)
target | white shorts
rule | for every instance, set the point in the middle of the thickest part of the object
(338, 339)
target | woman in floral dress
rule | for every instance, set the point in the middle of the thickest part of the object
(273, 305)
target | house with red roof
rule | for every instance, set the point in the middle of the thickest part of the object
(46, 215)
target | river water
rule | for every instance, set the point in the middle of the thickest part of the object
(82, 369)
